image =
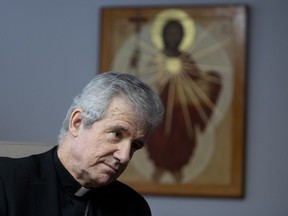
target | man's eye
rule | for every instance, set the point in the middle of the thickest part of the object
(117, 134)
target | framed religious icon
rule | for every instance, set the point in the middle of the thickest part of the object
(194, 58)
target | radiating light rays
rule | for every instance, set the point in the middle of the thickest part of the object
(190, 87)
(189, 93)
(200, 52)
(170, 106)
(209, 50)
(146, 47)
(216, 67)
(192, 97)
(184, 104)
(203, 35)
(158, 75)
(202, 97)
(157, 64)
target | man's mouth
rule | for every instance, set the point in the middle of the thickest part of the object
(112, 167)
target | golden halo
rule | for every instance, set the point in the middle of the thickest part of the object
(186, 21)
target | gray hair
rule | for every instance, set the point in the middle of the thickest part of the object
(99, 92)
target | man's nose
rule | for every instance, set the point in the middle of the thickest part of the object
(123, 153)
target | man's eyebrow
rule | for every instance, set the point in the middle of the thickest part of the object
(118, 127)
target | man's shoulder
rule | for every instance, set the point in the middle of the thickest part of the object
(14, 170)
(24, 164)
(8, 162)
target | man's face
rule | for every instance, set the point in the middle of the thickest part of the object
(101, 153)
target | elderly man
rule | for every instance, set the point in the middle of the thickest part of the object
(105, 125)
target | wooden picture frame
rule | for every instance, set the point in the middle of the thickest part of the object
(194, 57)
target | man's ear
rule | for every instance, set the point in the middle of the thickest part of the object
(75, 121)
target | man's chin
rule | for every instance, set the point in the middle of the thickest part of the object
(105, 181)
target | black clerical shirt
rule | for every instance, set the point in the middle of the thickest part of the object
(70, 204)
(27, 184)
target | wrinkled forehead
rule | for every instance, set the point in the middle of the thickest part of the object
(122, 105)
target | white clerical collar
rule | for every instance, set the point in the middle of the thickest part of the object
(81, 192)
